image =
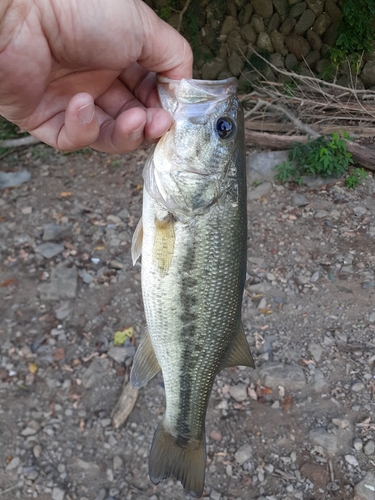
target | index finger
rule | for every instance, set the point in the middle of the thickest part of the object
(164, 50)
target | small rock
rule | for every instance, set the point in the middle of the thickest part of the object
(95, 371)
(115, 264)
(243, 454)
(101, 494)
(91, 467)
(13, 464)
(13, 179)
(105, 422)
(27, 210)
(117, 462)
(357, 386)
(369, 447)
(274, 374)
(37, 450)
(319, 381)
(359, 211)
(55, 231)
(32, 428)
(341, 423)
(314, 278)
(86, 277)
(299, 200)
(372, 317)
(49, 250)
(351, 460)
(62, 311)
(58, 494)
(315, 350)
(259, 191)
(216, 435)
(329, 442)
(358, 444)
(215, 495)
(238, 392)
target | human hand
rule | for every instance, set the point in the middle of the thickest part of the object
(76, 73)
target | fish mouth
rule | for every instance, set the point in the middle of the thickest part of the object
(192, 91)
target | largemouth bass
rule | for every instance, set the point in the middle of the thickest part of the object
(192, 237)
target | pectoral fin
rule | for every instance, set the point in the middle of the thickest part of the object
(137, 241)
(145, 364)
(164, 243)
(239, 354)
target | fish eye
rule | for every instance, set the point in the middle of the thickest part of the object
(225, 127)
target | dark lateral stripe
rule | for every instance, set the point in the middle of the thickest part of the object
(189, 318)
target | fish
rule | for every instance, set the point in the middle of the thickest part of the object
(193, 238)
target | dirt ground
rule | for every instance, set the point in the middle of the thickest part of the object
(301, 425)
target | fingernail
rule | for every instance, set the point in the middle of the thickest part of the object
(136, 134)
(86, 113)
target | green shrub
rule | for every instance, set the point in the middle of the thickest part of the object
(325, 157)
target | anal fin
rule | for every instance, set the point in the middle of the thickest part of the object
(239, 354)
(145, 365)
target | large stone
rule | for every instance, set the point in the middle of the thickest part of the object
(278, 42)
(277, 59)
(235, 63)
(281, 8)
(243, 454)
(261, 166)
(274, 23)
(257, 23)
(236, 43)
(368, 74)
(264, 42)
(305, 22)
(298, 46)
(314, 40)
(208, 36)
(297, 9)
(322, 23)
(330, 36)
(287, 26)
(317, 6)
(274, 374)
(229, 24)
(211, 69)
(248, 34)
(49, 250)
(63, 284)
(312, 58)
(263, 7)
(13, 179)
(329, 442)
(364, 489)
(245, 14)
(291, 62)
(333, 11)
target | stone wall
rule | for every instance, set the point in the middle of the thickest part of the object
(292, 34)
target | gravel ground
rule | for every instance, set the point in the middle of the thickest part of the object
(300, 426)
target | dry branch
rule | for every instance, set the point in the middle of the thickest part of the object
(124, 405)
(17, 143)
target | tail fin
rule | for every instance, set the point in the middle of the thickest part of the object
(186, 463)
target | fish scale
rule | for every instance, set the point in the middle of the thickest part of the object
(193, 249)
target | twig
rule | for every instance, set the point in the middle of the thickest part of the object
(10, 489)
(181, 15)
(124, 405)
(17, 143)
